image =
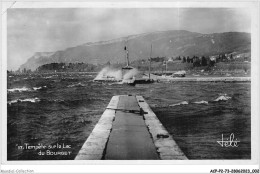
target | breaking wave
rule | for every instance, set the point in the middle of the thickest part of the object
(109, 73)
(32, 100)
(130, 74)
(19, 89)
(76, 85)
(201, 102)
(224, 97)
(37, 88)
(23, 89)
(181, 103)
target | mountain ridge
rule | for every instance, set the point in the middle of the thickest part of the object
(170, 43)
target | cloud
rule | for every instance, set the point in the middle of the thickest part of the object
(40, 30)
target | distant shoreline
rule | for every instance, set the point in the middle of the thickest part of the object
(207, 79)
(188, 78)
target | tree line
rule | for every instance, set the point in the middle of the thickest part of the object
(206, 61)
(63, 67)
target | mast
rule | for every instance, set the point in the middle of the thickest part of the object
(150, 62)
(166, 67)
(127, 53)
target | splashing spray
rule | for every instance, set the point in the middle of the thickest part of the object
(108, 73)
(130, 74)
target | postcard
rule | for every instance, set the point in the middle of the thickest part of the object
(130, 83)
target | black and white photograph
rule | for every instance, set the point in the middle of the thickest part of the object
(129, 83)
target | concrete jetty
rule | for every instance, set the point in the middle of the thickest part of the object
(129, 130)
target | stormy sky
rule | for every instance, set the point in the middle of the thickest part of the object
(50, 29)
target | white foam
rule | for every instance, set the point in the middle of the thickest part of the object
(33, 100)
(130, 74)
(77, 84)
(109, 73)
(181, 103)
(37, 88)
(201, 102)
(48, 77)
(18, 89)
(222, 98)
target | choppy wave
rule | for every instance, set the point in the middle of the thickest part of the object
(181, 103)
(22, 89)
(37, 88)
(48, 77)
(32, 100)
(76, 85)
(79, 110)
(201, 102)
(224, 97)
(222, 94)
(57, 100)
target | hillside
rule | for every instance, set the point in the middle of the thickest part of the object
(165, 44)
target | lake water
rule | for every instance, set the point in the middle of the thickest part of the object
(62, 109)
